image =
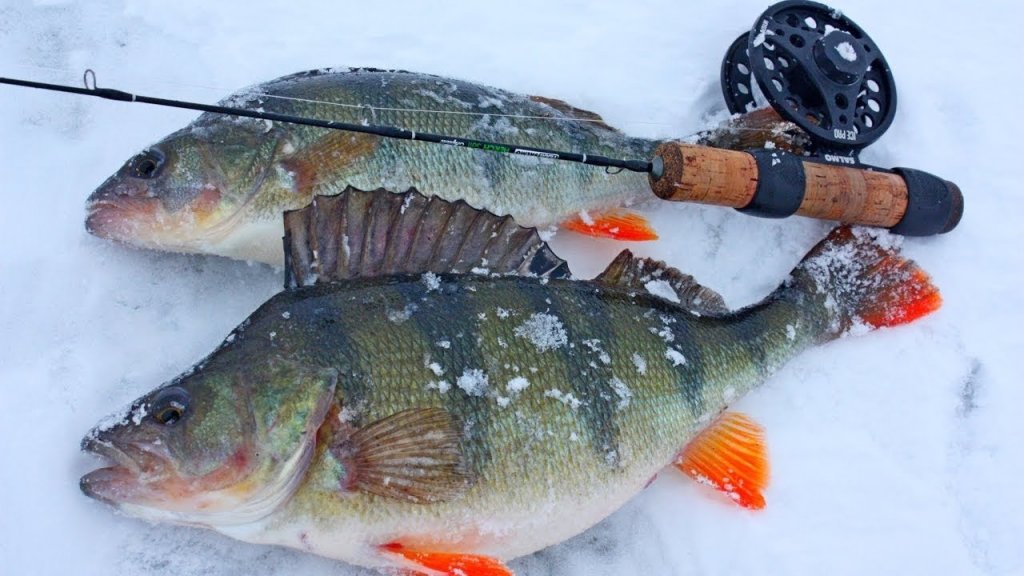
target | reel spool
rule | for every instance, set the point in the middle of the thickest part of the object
(817, 69)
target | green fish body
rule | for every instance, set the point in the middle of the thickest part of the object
(470, 414)
(219, 185)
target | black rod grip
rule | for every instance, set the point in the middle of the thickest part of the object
(934, 205)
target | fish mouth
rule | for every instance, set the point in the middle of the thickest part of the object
(143, 221)
(123, 219)
(133, 467)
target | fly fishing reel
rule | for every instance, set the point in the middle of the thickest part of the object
(817, 69)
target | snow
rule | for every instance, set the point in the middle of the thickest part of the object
(847, 51)
(640, 362)
(662, 289)
(442, 386)
(517, 385)
(675, 356)
(545, 331)
(432, 281)
(621, 390)
(567, 398)
(895, 452)
(473, 382)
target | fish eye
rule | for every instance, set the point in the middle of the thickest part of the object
(147, 165)
(170, 405)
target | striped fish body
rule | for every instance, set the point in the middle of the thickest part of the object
(470, 416)
(219, 185)
(571, 395)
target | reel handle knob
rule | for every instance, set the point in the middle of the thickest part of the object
(775, 184)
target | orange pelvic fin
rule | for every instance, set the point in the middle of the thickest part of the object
(449, 563)
(616, 223)
(730, 456)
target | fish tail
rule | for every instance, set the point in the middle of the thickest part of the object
(856, 280)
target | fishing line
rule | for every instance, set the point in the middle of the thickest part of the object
(221, 90)
(92, 89)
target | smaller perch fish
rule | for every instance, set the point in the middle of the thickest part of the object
(219, 185)
(444, 424)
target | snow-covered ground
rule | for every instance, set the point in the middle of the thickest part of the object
(898, 452)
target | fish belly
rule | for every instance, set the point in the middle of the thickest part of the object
(503, 532)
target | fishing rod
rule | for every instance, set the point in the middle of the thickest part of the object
(384, 131)
(813, 65)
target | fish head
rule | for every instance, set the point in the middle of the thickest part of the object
(211, 448)
(190, 191)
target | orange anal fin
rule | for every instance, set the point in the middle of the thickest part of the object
(448, 563)
(730, 456)
(617, 224)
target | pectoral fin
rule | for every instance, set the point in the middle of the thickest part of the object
(414, 455)
(333, 153)
(448, 563)
(730, 456)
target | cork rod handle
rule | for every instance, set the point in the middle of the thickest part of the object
(775, 184)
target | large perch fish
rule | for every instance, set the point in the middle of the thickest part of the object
(444, 424)
(219, 185)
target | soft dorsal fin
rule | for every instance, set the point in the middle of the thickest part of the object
(572, 111)
(629, 271)
(359, 234)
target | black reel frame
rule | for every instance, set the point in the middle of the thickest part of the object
(817, 69)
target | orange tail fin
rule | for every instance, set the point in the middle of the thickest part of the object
(618, 224)
(450, 564)
(915, 297)
(864, 280)
(730, 456)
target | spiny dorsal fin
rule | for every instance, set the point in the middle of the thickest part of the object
(359, 234)
(572, 111)
(629, 271)
(414, 455)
